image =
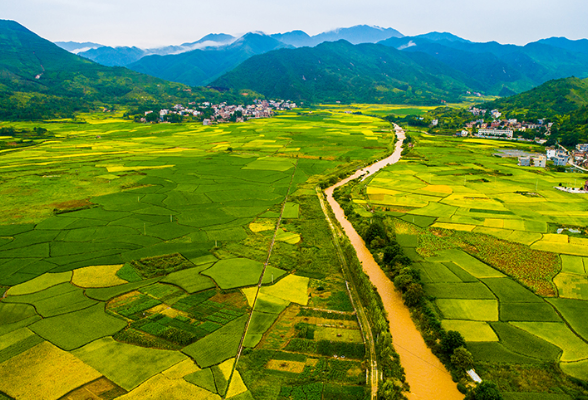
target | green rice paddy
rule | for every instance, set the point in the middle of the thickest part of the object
(482, 232)
(127, 245)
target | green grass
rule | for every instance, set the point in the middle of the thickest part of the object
(509, 291)
(239, 272)
(475, 310)
(525, 343)
(471, 264)
(128, 273)
(105, 294)
(494, 352)
(459, 291)
(59, 299)
(437, 272)
(203, 379)
(40, 283)
(107, 356)
(73, 330)
(575, 313)
(260, 323)
(528, 312)
(578, 369)
(291, 210)
(219, 346)
(559, 334)
(11, 313)
(190, 280)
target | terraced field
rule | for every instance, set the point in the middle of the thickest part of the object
(130, 255)
(483, 232)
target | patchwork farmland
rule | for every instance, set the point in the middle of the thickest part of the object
(130, 256)
(501, 255)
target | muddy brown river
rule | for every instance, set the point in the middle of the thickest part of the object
(427, 377)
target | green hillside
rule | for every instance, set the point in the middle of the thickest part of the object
(555, 97)
(343, 72)
(39, 80)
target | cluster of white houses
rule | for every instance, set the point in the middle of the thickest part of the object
(559, 156)
(223, 112)
(499, 128)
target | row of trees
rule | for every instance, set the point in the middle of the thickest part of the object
(449, 346)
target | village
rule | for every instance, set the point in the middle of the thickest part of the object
(506, 129)
(210, 113)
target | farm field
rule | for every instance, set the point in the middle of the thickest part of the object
(130, 254)
(483, 234)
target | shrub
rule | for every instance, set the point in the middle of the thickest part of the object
(451, 341)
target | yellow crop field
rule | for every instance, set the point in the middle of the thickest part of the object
(237, 386)
(288, 237)
(181, 369)
(97, 276)
(162, 387)
(555, 238)
(472, 331)
(494, 223)
(444, 189)
(292, 288)
(44, 372)
(40, 283)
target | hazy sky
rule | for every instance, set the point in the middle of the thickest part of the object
(147, 23)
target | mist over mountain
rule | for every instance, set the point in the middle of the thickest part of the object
(122, 56)
(77, 47)
(200, 67)
(355, 35)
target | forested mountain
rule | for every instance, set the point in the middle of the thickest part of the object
(556, 97)
(340, 71)
(502, 69)
(39, 80)
(200, 67)
(563, 102)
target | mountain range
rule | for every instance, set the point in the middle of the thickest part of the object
(200, 62)
(502, 69)
(340, 71)
(37, 77)
(40, 80)
(490, 68)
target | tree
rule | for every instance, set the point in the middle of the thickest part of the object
(390, 252)
(375, 230)
(413, 295)
(402, 281)
(451, 341)
(485, 391)
(152, 117)
(462, 358)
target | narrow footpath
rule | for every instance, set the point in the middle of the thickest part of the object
(426, 375)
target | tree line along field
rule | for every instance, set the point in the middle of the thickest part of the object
(482, 231)
(130, 256)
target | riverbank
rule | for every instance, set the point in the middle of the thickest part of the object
(426, 375)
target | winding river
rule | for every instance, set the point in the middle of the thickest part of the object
(427, 377)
